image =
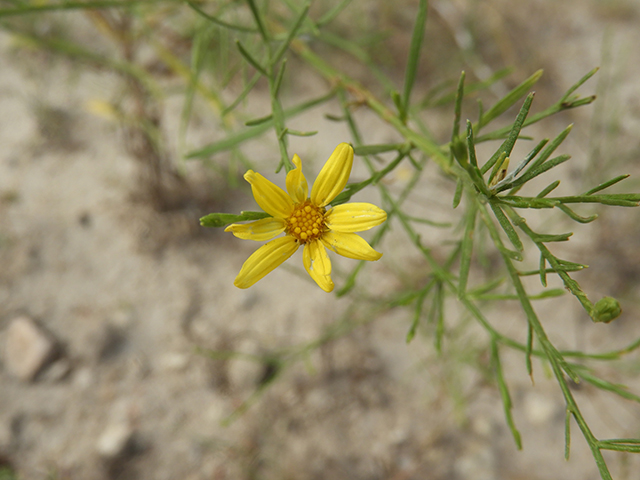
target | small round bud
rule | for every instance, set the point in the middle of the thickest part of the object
(606, 310)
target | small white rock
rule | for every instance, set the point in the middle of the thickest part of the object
(28, 348)
(114, 440)
(174, 361)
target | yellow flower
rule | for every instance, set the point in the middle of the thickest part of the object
(307, 221)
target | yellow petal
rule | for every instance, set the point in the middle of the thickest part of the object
(271, 198)
(334, 176)
(264, 260)
(349, 245)
(354, 217)
(260, 230)
(318, 264)
(296, 183)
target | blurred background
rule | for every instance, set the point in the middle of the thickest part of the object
(125, 350)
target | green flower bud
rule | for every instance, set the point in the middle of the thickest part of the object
(606, 310)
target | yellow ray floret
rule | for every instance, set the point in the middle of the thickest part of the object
(306, 220)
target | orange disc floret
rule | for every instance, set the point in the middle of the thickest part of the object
(306, 222)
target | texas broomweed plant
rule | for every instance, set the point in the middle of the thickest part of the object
(489, 196)
(488, 191)
(307, 222)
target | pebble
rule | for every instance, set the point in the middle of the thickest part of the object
(115, 440)
(28, 348)
(174, 362)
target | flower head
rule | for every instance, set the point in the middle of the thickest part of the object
(307, 220)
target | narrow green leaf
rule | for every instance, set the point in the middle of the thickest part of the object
(418, 166)
(530, 156)
(217, 21)
(397, 101)
(579, 83)
(562, 268)
(548, 189)
(68, 5)
(404, 298)
(528, 202)
(426, 221)
(492, 161)
(290, 36)
(458, 107)
(471, 146)
(567, 263)
(529, 350)
(457, 196)
(618, 389)
(504, 393)
(333, 118)
(258, 121)
(258, 18)
(466, 249)
(221, 219)
(506, 226)
(607, 184)
(567, 434)
(620, 199)
(298, 133)
(245, 91)
(517, 256)
(544, 238)
(333, 13)
(543, 270)
(249, 58)
(550, 293)
(571, 373)
(511, 98)
(414, 57)
(350, 282)
(472, 166)
(630, 441)
(579, 102)
(552, 110)
(486, 288)
(279, 77)
(507, 147)
(574, 216)
(534, 172)
(439, 305)
(417, 314)
(551, 148)
(619, 447)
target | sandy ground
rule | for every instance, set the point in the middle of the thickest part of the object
(127, 294)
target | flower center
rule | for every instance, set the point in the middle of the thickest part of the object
(306, 223)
